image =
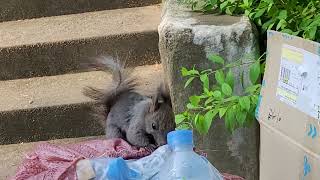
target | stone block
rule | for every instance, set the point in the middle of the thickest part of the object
(186, 39)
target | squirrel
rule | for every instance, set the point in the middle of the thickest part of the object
(143, 121)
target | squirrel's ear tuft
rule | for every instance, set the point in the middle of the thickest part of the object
(164, 92)
(155, 102)
(161, 96)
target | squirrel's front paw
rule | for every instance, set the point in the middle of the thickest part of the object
(151, 146)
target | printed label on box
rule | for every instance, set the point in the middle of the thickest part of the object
(299, 80)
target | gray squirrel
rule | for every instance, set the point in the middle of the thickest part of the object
(141, 120)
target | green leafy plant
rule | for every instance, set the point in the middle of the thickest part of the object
(296, 17)
(219, 99)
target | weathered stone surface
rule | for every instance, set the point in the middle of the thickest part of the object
(186, 39)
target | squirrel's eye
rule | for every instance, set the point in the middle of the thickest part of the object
(154, 126)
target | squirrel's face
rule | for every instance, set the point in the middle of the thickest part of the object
(160, 121)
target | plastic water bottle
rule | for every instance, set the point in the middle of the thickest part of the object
(104, 168)
(183, 163)
(175, 161)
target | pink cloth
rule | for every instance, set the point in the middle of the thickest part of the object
(56, 162)
(227, 176)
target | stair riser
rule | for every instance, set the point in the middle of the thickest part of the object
(66, 57)
(20, 9)
(48, 123)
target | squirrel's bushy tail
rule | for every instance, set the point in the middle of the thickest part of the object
(122, 82)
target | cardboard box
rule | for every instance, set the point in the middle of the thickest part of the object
(289, 110)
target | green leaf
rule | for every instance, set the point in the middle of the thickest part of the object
(230, 10)
(271, 26)
(194, 100)
(270, 6)
(188, 82)
(259, 13)
(282, 23)
(283, 15)
(206, 71)
(273, 12)
(266, 25)
(253, 88)
(207, 7)
(184, 71)
(312, 33)
(251, 15)
(259, 22)
(208, 118)
(223, 5)
(217, 94)
(247, 12)
(288, 31)
(179, 118)
(208, 93)
(270, 2)
(246, 2)
(202, 125)
(205, 80)
(195, 120)
(305, 23)
(183, 126)
(296, 33)
(230, 119)
(245, 102)
(193, 72)
(255, 72)
(232, 98)
(211, 114)
(213, 2)
(254, 99)
(222, 111)
(279, 25)
(233, 64)
(209, 100)
(241, 117)
(219, 75)
(216, 59)
(191, 106)
(230, 79)
(226, 89)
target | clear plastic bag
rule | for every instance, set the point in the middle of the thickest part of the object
(175, 161)
(118, 169)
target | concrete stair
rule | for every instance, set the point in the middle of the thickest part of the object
(53, 107)
(57, 45)
(18, 9)
(41, 79)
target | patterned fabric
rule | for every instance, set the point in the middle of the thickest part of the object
(227, 176)
(56, 162)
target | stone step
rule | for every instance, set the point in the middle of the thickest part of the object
(17, 9)
(11, 156)
(54, 107)
(57, 45)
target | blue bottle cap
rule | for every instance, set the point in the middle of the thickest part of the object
(180, 137)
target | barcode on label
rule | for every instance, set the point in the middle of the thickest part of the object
(285, 75)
